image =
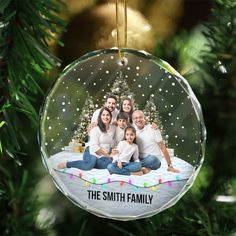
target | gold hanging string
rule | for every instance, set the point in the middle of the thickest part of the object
(122, 58)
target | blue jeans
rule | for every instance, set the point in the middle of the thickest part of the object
(103, 162)
(89, 162)
(126, 168)
(152, 162)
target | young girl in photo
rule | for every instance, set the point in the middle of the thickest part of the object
(126, 149)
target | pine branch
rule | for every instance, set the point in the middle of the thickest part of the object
(19, 207)
(218, 64)
(26, 28)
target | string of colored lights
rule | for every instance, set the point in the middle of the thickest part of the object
(122, 182)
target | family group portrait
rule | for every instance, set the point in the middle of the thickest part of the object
(122, 141)
(117, 143)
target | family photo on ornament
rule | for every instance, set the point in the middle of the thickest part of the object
(122, 141)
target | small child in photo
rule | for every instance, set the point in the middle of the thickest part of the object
(127, 149)
(122, 122)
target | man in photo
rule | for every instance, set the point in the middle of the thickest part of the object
(110, 103)
(150, 144)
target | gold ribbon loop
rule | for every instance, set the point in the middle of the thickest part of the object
(122, 58)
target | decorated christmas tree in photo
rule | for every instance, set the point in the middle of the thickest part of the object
(81, 135)
(120, 89)
(152, 115)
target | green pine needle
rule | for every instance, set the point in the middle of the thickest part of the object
(26, 56)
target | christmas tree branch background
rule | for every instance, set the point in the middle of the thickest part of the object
(30, 204)
(26, 28)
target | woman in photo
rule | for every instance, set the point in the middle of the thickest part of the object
(127, 149)
(100, 144)
(127, 107)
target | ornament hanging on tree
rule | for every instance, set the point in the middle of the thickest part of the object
(83, 124)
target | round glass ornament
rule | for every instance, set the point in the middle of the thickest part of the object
(166, 99)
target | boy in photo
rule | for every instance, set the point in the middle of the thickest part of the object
(122, 122)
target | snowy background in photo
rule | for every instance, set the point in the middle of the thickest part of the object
(146, 77)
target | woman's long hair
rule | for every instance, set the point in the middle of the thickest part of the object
(101, 125)
(132, 108)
